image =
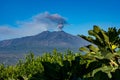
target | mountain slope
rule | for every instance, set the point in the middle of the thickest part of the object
(43, 42)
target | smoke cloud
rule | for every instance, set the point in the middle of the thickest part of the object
(36, 24)
(54, 19)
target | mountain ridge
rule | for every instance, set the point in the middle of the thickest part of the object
(42, 42)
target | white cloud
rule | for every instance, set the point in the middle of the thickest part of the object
(6, 30)
(36, 24)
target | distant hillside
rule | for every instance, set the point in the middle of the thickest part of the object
(43, 42)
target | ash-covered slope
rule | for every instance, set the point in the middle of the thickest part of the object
(43, 42)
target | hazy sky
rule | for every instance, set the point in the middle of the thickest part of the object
(20, 18)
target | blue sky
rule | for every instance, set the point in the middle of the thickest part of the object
(18, 17)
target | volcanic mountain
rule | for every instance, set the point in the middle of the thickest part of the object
(43, 42)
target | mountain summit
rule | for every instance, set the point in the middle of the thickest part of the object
(43, 42)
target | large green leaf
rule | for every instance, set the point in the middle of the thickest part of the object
(84, 49)
(105, 37)
(96, 29)
(93, 48)
(109, 56)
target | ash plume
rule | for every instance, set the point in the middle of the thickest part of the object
(52, 19)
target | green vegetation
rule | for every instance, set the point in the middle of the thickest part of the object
(101, 61)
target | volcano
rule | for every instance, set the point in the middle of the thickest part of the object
(43, 42)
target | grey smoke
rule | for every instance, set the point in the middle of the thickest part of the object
(56, 18)
(49, 19)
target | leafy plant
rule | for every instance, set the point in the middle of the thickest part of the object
(104, 47)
